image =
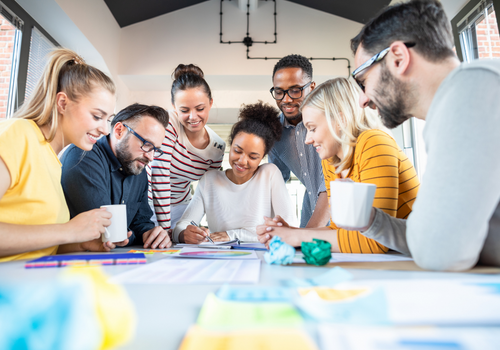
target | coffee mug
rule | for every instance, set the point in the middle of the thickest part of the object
(117, 231)
(351, 203)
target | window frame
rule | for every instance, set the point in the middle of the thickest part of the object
(28, 25)
(461, 15)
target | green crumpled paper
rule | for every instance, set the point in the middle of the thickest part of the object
(317, 252)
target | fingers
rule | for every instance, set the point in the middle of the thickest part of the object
(162, 240)
(264, 238)
(195, 235)
(107, 246)
(122, 243)
(279, 220)
(103, 213)
(149, 236)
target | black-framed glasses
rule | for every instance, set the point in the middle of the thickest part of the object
(293, 93)
(146, 145)
(377, 58)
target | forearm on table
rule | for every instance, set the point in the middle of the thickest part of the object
(296, 236)
(321, 213)
(388, 231)
(17, 239)
(70, 248)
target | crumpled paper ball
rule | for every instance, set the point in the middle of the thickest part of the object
(280, 253)
(317, 252)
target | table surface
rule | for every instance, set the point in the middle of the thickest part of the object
(165, 312)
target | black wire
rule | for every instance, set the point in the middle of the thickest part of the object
(249, 42)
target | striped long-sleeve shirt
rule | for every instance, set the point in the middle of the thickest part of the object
(182, 163)
(377, 160)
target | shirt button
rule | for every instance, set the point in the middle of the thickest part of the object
(123, 202)
(309, 192)
(297, 132)
(305, 174)
(301, 154)
(121, 169)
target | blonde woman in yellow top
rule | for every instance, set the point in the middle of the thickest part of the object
(72, 103)
(353, 144)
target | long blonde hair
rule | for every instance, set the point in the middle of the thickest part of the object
(65, 72)
(338, 100)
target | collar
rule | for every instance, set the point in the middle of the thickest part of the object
(285, 122)
(114, 163)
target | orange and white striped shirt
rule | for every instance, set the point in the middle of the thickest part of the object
(377, 160)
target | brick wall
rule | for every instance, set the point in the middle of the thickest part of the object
(488, 47)
(7, 32)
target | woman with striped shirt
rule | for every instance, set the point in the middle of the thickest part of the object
(190, 147)
(353, 145)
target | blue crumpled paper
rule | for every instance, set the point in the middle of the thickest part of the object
(280, 253)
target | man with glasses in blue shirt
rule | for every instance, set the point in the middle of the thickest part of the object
(292, 81)
(112, 173)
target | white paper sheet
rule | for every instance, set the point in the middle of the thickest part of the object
(186, 271)
(214, 253)
(335, 337)
(451, 302)
(343, 257)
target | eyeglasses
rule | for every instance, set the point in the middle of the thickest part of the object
(377, 58)
(146, 145)
(293, 93)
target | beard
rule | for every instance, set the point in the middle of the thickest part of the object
(393, 106)
(293, 118)
(130, 167)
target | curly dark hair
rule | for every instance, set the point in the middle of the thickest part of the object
(259, 119)
(422, 22)
(188, 76)
(295, 61)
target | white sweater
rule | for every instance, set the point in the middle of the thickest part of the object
(456, 217)
(238, 209)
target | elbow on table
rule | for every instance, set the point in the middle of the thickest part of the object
(443, 262)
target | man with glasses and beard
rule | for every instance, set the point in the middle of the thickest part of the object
(112, 173)
(292, 81)
(406, 67)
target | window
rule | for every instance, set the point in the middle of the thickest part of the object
(39, 49)
(475, 29)
(23, 42)
(10, 44)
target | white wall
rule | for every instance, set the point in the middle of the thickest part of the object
(150, 50)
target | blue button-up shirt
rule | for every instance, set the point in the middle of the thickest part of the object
(95, 178)
(291, 154)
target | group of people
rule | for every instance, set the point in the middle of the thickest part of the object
(405, 67)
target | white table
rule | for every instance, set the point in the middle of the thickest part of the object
(165, 312)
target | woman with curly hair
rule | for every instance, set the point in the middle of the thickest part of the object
(236, 200)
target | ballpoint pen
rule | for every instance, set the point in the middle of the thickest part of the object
(208, 237)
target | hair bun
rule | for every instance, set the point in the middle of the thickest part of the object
(187, 69)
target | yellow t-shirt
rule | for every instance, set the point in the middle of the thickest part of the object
(35, 195)
(377, 160)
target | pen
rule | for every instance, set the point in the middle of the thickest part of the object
(195, 224)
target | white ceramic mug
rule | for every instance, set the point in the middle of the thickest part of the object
(351, 203)
(117, 231)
